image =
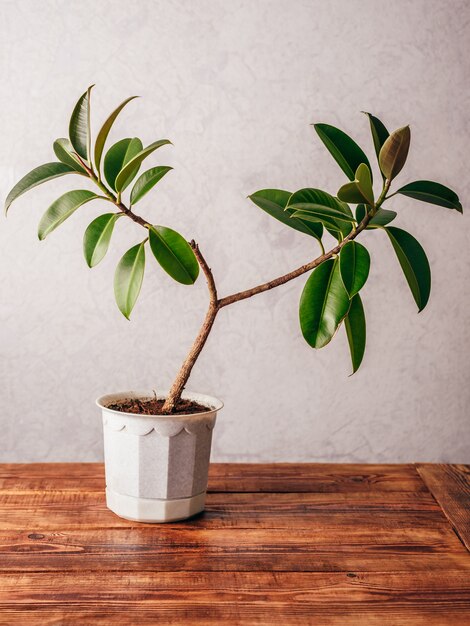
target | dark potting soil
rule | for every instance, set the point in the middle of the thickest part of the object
(154, 406)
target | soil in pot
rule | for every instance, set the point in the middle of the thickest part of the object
(154, 406)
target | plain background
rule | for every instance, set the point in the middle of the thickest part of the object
(235, 85)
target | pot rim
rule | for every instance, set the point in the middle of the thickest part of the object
(213, 404)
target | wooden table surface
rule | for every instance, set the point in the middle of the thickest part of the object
(278, 544)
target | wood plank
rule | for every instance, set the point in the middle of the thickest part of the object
(236, 597)
(322, 547)
(228, 477)
(61, 510)
(266, 614)
(450, 485)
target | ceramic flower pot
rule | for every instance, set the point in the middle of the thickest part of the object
(156, 465)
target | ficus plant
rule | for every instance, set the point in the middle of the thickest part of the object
(331, 294)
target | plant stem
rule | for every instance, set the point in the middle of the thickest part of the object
(182, 378)
(215, 304)
(281, 280)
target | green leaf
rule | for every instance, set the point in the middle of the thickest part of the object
(323, 304)
(379, 133)
(79, 128)
(315, 205)
(63, 208)
(354, 265)
(360, 189)
(343, 149)
(128, 278)
(340, 231)
(63, 150)
(146, 181)
(127, 172)
(174, 254)
(39, 175)
(355, 324)
(274, 203)
(117, 157)
(381, 218)
(104, 131)
(319, 211)
(318, 216)
(414, 264)
(394, 152)
(433, 193)
(360, 213)
(315, 200)
(364, 183)
(97, 237)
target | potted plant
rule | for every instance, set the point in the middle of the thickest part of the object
(157, 443)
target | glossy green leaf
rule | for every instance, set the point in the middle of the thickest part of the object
(323, 304)
(127, 172)
(354, 265)
(321, 216)
(360, 213)
(364, 183)
(315, 205)
(128, 278)
(337, 228)
(381, 218)
(360, 189)
(117, 157)
(63, 150)
(343, 149)
(39, 175)
(318, 205)
(174, 254)
(97, 237)
(146, 181)
(319, 210)
(63, 208)
(104, 132)
(379, 133)
(355, 324)
(393, 154)
(433, 193)
(79, 128)
(314, 200)
(350, 192)
(274, 203)
(340, 231)
(414, 264)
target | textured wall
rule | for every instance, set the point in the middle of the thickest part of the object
(235, 85)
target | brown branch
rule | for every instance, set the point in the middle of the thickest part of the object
(182, 378)
(207, 272)
(281, 280)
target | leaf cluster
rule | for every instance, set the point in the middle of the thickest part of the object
(331, 294)
(112, 174)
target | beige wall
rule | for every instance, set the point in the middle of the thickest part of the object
(235, 85)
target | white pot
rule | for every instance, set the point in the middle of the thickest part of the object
(156, 465)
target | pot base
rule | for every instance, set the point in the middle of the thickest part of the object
(154, 511)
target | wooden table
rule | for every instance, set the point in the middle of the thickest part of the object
(278, 544)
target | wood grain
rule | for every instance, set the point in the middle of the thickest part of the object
(264, 597)
(227, 477)
(450, 485)
(355, 545)
(236, 597)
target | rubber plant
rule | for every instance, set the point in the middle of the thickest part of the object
(331, 294)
